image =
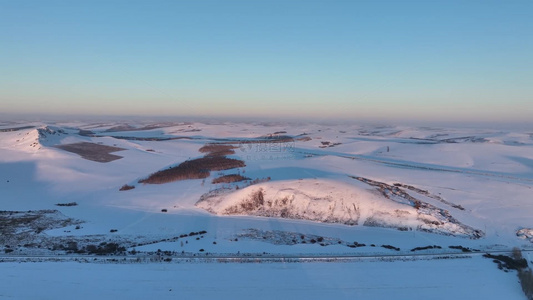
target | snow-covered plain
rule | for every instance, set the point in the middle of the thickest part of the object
(325, 188)
(420, 279)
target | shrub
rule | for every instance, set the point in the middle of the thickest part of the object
(509, 262)
(91, 248)
(425, 248)
(255, 201)
(390, 247)
(464, 249)
(126, 187)
(105, 248)
(67, 204)
(259, 180)
(258, 198)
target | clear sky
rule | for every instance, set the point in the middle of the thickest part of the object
(414, 60)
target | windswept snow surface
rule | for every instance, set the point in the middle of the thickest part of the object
(389, 188)
(364, 280)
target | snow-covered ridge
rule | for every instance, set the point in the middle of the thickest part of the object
(525, 233)
(31, 138)
(333, 202)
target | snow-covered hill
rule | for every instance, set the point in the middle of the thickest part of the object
(33, 138)
(330, 202)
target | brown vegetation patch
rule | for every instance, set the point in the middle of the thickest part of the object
(194, 169)
(230, 178)
(91, 151)
(17, 227)
(253, 203)
(218, 149)
(221, 153)
(126, 187)
(328, 144)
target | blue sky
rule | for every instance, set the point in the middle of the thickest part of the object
(372, 60)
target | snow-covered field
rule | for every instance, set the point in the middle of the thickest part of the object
(364, 280)
(306, 190)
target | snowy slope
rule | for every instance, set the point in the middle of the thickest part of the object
(329, 202)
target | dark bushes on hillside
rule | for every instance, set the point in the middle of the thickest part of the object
(509, 262)
(464, 249)
(230, 178)
(217, 149)
(221, 153)
(390, 247)
(126, 187)
(105, 248)
(425, 248)
(193, 169)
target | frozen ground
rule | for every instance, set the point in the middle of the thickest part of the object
(433, 279)
(325, 190)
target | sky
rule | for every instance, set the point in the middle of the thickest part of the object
(352, 60)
